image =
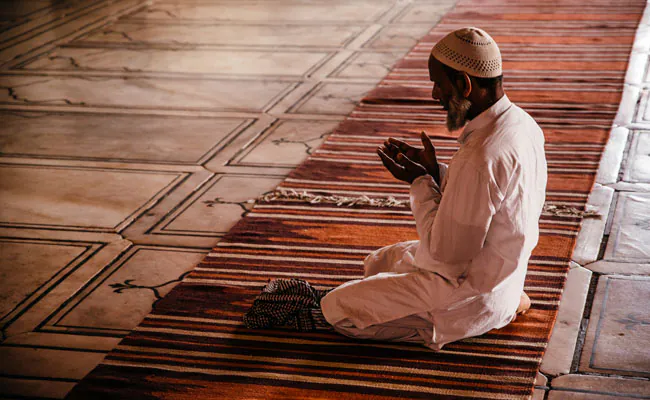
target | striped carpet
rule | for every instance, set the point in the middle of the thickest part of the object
(564, 63)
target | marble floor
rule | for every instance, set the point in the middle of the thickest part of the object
(134, 132)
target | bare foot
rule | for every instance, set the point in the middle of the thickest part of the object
(524, 304)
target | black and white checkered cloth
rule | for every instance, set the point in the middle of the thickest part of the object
(291, 303)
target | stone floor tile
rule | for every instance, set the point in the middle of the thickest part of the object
(50, 290)
(211, 211)
(182, 219)
(73, 24)
(642, 39)
(333, 98)
(592, 229)
(368, 65)
(425, 12)
(18, 9)
(636, 70)
(286, 143)
(244, 35)
(630, 187)
(612, 267)
(131, 138)
(78, 198)
(603, 384)
(29, 18)
(538, 394)
(202, 209)
(26, 267)
(34, 388)
(334, 11)
(637, 167)
(642, 115)
(627, 107)
(398, 36)
(63, 341)
(270, 62)
(618, 334)
(47, 363)
(571, 395)
(541, 379)
(146, 93)
(629, 239)
(118, 298)
(610, 163)
(559, 353)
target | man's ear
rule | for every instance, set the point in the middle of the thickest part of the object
(468, 85)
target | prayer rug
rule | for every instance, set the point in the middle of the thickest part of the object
(564, 63)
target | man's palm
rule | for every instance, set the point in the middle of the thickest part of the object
(426, 156)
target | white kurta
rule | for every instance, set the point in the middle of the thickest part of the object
(465, 275)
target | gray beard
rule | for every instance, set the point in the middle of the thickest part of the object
(458, 110)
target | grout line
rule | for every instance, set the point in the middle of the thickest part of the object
(584, 323)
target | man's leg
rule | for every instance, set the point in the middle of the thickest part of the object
(384, 298)
(411, 329)
(393, 258)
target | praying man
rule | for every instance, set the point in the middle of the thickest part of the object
(476, 218)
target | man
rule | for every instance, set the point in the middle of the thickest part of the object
(477, 219)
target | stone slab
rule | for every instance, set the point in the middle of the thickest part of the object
(185, 62)
(592, 229)
(337, 11)
(47, 363)
(144, 93)
(225, 34)
(603, 384)
(627, 107)
(332, 98)
(131, 138)
(367, 65)
(562, 344)
(618, 334)
(398, 36)
(78, 198)
(27, 268)
(124, 293)
(637, 167)
(34, 388)
(612, 267)
(286, 143)
(629, 239)
(610, 163)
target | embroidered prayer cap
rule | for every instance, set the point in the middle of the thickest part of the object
(470, 50)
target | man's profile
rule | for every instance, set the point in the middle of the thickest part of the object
(476, 218)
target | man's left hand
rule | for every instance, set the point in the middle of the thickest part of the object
(402, 167)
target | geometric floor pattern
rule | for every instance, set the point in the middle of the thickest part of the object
(132, 134)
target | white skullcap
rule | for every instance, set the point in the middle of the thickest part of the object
(470, 50)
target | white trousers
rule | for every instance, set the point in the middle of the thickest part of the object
(412, 328)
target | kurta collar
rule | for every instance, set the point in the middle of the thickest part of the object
(485, 117)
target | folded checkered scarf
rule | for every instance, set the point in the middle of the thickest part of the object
(291, 303)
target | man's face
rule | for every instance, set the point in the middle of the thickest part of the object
(441, 83)
(450, 97)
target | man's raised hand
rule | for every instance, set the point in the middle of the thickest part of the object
(426, 157)
(401, 167)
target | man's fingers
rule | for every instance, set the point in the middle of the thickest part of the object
(388, 162)
(399, 144)
(406, 162)
(426, 142)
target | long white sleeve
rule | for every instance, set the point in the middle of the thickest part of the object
(453, 227)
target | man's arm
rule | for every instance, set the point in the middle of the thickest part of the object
(452, 228)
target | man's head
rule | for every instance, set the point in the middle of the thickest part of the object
(465, 67)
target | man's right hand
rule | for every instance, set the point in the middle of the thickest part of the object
(426, 157)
